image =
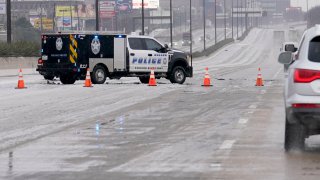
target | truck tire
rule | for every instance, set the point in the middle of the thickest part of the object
(144, 80)
(178, 75)
(99, 75)
(67, 79)
(48, 77)
(294, 136)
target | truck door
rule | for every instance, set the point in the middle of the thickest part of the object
(146, 53)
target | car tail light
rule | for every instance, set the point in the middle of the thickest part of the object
(40, 61)
(306, 105)
(305, 75)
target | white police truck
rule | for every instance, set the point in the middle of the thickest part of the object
(68, 56)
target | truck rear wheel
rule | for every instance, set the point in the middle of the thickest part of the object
(294, 136)
(67, 79)
(99, 75)
(178, 75)
(144, 80)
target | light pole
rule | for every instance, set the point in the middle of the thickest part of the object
(237, 19)
(97, 15)
(204, 24)
(225, 20)
(191, 31)
(232, 19)
(215, 22)
(9, 21)
(142, 11)
(171, 34)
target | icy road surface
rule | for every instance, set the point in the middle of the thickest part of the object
(126, 130)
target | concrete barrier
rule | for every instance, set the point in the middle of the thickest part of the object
(17, 62)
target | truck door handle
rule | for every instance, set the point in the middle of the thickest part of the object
(149, 54)
(132, 54)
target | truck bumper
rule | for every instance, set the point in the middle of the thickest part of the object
(189, 71)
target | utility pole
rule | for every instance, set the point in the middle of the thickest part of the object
(204, 24)
(142, 18)
(9, 21)
(237, 19)
(191, 31)
(70, 7)
(232, 18)
(41, 27)
(225, 19)
(246, 15)
(171, 34)
(97, 15)
(215, 21)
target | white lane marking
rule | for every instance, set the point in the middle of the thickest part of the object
(250, 112)
(253, 106)
(215, 166)
(277, 73)
(227, 144)
(243, 121)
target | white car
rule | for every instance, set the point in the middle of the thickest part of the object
(302, 90)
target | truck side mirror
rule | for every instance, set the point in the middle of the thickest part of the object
(166, 46)
(285, 58)
(290, 47)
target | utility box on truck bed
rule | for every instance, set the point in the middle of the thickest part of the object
(68, 56)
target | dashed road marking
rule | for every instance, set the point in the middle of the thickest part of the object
(253, 106)
(250, 112)
(227, 144)
(243, 121)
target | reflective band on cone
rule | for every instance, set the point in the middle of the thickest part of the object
(206, 80)
(152, 79)
(87, 82)
(20, 81)
(259, 81)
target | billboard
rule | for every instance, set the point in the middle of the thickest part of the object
(107, 9)
(123, 5)
(81, 10)
(47, 24)
(148, 4)
(3, 8)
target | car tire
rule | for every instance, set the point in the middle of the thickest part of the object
(144, 80)
(48, 77)
(294, 136)
(67, 79)
(178, 75)
(99, 75)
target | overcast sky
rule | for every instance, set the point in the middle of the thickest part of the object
(303, 3)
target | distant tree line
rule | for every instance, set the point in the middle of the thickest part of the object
(26, 40)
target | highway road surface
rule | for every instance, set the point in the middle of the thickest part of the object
(126, 130)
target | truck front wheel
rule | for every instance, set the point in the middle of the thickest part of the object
(178, 75)
(99, 75)
(67, 79)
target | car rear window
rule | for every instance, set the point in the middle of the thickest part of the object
(314, 49)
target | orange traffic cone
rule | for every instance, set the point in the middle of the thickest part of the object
(20, 81)
(206, 80)
(259, 81)
(152, 79)
(87, 82)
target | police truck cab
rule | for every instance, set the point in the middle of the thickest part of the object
(68, 56)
